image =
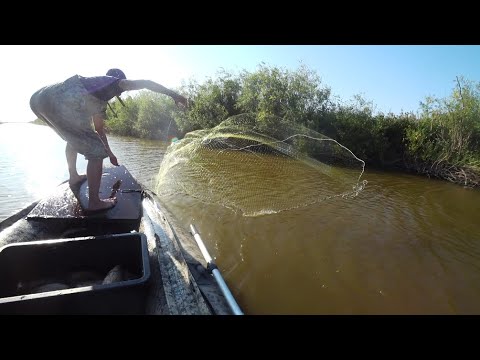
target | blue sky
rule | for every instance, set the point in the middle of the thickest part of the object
(393, 77)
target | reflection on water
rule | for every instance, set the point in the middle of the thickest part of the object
(404, 245)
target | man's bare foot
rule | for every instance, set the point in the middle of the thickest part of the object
(101, 205)
(77, 180)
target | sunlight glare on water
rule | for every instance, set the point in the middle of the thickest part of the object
(30, 165)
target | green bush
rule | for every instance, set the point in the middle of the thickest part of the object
(449, 129)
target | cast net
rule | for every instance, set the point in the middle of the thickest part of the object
(259, 166)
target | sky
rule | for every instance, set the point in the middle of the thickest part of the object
(394, 78)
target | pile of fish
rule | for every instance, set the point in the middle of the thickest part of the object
(75, 280)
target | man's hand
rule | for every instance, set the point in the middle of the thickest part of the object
(180, 99)
(113, 160)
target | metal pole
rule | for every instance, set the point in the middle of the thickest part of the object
(216, 273)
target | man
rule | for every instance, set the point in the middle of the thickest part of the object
(71, 106)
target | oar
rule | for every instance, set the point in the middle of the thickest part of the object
(211, 266)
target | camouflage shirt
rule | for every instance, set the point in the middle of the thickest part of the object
(102, 87)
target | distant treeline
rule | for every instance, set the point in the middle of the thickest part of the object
(441, 140)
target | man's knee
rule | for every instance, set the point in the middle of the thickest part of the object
(95, 152)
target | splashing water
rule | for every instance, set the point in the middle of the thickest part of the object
(259, 166)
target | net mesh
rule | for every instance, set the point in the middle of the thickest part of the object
(259, 166)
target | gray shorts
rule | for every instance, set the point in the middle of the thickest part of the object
(68, 108)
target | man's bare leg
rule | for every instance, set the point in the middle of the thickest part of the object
(71, 155)
(94, 176)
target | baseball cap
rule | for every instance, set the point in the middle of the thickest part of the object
(119, 74)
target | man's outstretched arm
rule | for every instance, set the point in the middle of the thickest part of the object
(128, 85)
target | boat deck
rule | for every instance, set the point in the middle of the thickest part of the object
(179, 283)
(66, 206)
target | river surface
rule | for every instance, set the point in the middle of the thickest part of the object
(405, 245)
